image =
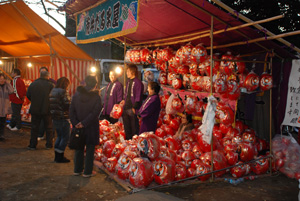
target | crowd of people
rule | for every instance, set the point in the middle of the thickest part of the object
(52, 109)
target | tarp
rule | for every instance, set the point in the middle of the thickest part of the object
(19, 36)
(162, 19)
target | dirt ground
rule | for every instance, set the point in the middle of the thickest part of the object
(32, 175)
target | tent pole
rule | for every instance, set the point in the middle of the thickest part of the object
(125, 67)
(271, 67)
(211, 89)
(242, 17)
(6, 73)
(222, 21)
(202, 34)
(258, 39)
(51, 58)
(37, 31)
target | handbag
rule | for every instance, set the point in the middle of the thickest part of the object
(77, 138)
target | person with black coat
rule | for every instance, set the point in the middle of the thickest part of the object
(38, 93)
(84, 112)
(59, 110)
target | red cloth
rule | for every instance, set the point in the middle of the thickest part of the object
(21, 90)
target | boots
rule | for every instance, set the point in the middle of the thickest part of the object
(60, 158)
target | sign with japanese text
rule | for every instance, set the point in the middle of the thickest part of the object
(292, 114)
(110, 19)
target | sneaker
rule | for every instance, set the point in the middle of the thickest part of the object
(8, 126)
(77, 173)
(31, 148)
(14, 129)
(89, 175)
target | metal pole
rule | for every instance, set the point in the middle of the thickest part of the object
(270, 65)
(211, 88)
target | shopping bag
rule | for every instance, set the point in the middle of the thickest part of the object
(77, 138)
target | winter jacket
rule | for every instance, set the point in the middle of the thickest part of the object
(5, 107)
(19, 91)
(38, 93)
(85, 108)
(59, 103)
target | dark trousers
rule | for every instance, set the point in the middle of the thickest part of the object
(108, 118)
(86, 163)
(16, 116)
(35, 125)
(2, 126)
(131, 124)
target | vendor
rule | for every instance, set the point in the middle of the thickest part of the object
(149, 111)
(186, 125)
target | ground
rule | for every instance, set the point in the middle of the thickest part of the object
(32, 175)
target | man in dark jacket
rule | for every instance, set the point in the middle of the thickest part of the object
(84, 112)
(38, 93)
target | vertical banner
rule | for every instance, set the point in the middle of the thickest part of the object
(108, 20)
(292, 114)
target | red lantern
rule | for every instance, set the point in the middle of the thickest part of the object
(180, 172)
(190, 104)
(227, 66)
(141, 172)
(177, 83)
(118, 150)
(240, 66)
(266, 81)
(251, 82)
(123, 166)
(108, 148)
(177, 104)
(149, 145)
(198, 54)
(246, 151)
(111, 163)
(167, 53)
(260, 166)
(145, 55)
(116, 111)
(164, 169)
(232, 157)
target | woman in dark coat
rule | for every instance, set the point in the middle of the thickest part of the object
(149, 111)
(84, 112)
(59, 110)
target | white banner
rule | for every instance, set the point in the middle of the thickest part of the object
(292, 114)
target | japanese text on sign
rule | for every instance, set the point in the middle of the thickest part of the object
(105, 20)
(292, 113)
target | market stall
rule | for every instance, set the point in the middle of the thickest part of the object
(180, 38)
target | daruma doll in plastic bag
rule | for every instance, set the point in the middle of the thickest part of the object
(117, 111)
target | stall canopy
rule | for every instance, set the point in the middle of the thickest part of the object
(175, 22)
(26, 37)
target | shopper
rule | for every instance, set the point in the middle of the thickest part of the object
(186, 125)
(84, 112)
(149, 111)
(113, 95)
(132, 102)
(38, 93)
(17, 100)
(42, 128)
(59, 110)
(5, 107)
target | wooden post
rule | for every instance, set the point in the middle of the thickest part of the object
(270, 65)
(242, 17)
(37, 31)
(211, 90)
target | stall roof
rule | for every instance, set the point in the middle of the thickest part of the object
(166, 19)
(19, 35)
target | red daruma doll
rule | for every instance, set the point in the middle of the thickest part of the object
(116, 111)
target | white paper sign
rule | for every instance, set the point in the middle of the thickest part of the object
(292, 114)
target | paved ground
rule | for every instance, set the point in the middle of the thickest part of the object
(32, 175)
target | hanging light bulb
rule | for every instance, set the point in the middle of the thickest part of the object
(29, 64)
(93, 69)
(1, 62)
